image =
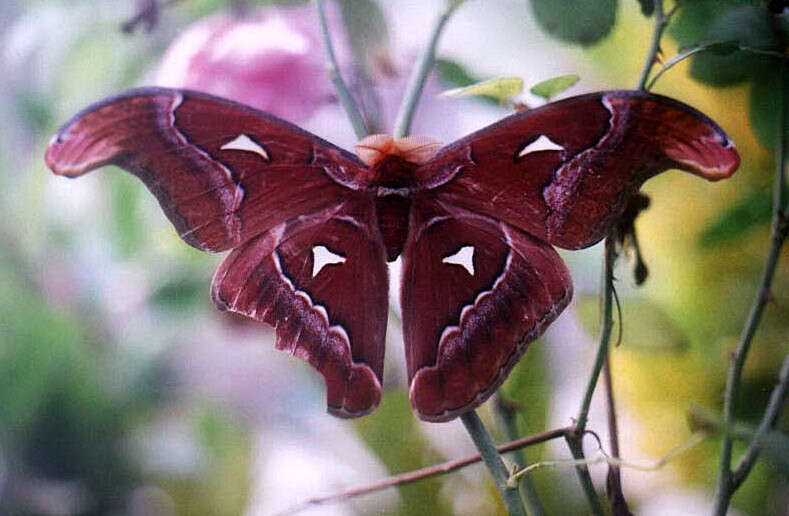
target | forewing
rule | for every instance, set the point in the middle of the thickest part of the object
(322, 282)
(564, 172)
(222, 172)
(475, 293)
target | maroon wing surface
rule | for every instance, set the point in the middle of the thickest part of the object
(564, 172)
(475, 293)
(222, 172)
(322, 282)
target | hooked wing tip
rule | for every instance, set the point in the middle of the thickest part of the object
(712, 160)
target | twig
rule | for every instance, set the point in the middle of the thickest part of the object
(616, 497)
(780, 226)
(506, 416)
(421, 474)
(681, 56)
(492, 459)
(333, 69)
(696, 439)
(575, 443)
(769, 419)
(661, 20)
(575, 438)
(416, 83)
(607, 323)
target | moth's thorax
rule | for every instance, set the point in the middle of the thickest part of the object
(392, 175)
(392, 162)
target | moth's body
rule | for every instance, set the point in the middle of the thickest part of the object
(392, 183)
(310, 226)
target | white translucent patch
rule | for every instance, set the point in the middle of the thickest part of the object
(540, 144)
(464, 257)
(322, 257)
(245, 143)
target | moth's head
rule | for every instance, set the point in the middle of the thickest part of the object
(413, 149)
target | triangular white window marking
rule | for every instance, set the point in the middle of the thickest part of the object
(540, 144)
(245, 143)
(322, 257)
(464, 257)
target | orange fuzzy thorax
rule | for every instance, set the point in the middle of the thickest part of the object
(416, 149)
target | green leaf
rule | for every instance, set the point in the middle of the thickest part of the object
(452, 73)
(647, 7)
(180, 292)
(391, 432)
(764, 106)
(751, 211)
(576, 21)
(554, 86)
(501, 89)
(749, 25)
(689, 26)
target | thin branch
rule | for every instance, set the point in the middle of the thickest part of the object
(575, 443)
(416, 83)
(725, 485)
(575, 438)
(770, 418)
(602, 457)
(661, 20)
(506, 416)
(607, 323)
(421, 474)
(492, 459)
(616, 496)
(681, 56)
(333, 69)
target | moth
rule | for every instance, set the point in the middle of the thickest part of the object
(310, 227)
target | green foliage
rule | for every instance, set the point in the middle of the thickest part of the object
(126, 224)
(552, 87)
(180, 292)
(53, 405)
(501, 89)
(747, 25)
(764, 106)
(454, 74)
(576, 21)
(645, 328)
(751, 211)
(392, 433)
(647, 7)
(752, 27)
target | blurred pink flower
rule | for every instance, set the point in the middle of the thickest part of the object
(271, 59)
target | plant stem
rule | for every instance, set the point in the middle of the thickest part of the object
(505, 414)
(416, 83)
(616, 496)
(606, 324)
(491, 458)
(428, 472)
(575, 438)
(575, 443)
(769, 419)
(726, 485)
(661, 20)
(333, 69)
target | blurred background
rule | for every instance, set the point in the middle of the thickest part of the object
(123, 391)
